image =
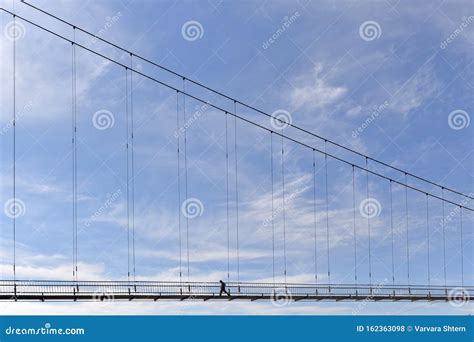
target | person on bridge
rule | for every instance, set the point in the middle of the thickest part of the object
(223, 290)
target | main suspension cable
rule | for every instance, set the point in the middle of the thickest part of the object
(234, 115)
(240, 102)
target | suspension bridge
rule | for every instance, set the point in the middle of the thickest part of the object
(416, 211)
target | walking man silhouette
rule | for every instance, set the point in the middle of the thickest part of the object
(223, 290)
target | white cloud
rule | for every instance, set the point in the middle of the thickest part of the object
(418, 89)
(315, 92)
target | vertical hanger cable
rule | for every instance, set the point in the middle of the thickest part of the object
(179, 189)
(315, 221)
(462, 247)
(236, 193)
(391, 228)
(227, 193)
(127, 172)
(354, 223)
(283, 205)
(133, 167)
(428, 237)
(186, 173)
(368, 221)
(408, 239)
(14, 151)
(75, 155)
(443, 222)
(273, 208)
(327, 212)
(73, 142)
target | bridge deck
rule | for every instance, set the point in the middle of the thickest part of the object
(153, 290)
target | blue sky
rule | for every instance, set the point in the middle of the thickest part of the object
(387, 90)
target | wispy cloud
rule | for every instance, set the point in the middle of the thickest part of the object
(315, 91)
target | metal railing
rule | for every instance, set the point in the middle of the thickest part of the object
(47, 289)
